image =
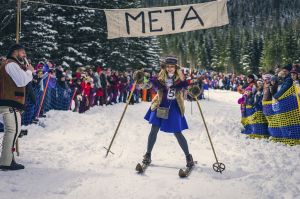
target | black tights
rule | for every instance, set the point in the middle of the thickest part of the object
(180, 138)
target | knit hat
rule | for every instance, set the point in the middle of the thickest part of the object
(13, 48)
(288, 67)
(294, 71)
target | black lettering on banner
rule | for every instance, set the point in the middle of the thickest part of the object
(141, 14)
(151, 20)
(172, 11)
(191, 18)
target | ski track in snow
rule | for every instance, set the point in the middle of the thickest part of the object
(66, 159)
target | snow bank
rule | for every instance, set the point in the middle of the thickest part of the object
(66, 158)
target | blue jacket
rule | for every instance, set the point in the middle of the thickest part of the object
(288, 82)
(45, 68)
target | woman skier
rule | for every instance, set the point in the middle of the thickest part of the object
(167, 108)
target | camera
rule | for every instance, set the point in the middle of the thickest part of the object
(23, 132)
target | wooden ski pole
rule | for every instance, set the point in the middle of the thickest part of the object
(116, 131)
(218, 166)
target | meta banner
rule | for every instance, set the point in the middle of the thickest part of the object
(144, 22)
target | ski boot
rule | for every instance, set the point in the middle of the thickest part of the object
(147, 159)
(189, 161)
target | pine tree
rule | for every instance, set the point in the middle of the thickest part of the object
(246, 54)
(215, 57)
(290, 48)
(201, 53)
(78, 37)
(272, 49)
(192, 53)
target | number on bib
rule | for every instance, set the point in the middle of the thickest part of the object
(171, 94)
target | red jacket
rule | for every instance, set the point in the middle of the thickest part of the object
(87, 89)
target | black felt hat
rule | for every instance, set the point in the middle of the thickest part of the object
(15, 47)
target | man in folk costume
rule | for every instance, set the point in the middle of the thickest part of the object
(14, 76)
(167, 108)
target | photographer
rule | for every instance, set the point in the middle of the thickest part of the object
(15, 74)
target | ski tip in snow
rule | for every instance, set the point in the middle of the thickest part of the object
(182, 173)
(139, 168)
(186, 172)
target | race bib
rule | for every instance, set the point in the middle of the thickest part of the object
(171, 94)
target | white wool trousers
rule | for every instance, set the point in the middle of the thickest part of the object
(12, 129)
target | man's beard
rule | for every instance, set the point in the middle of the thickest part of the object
(20, 59)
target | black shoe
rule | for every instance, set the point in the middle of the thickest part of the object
(24, 132)
(189, 161)
(35, 121)
(13, 166)
(147, 159)
(43, 115)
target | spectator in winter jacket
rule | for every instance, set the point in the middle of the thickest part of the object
(30, 93)
(287, 81)
(97, 87)
(250, 82)
(51, 93)
(274, 85)
(115, 86)
(246, 99)
(59, 72)
(48, 66)
(267, 93)
(257, 103)
(110, 83)
(52, 80)
(39, 66)
(103, 82)
(86, 91)
(123, 87)
(78, 95)
(296, 79)
(96, 80)
(62, 82)
(294, 76)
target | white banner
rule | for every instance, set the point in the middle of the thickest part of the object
(145, 22)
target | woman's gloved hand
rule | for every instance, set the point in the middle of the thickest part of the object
(138, 76)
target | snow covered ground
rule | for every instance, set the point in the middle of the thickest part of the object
(66, 158)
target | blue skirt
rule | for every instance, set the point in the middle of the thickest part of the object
(174, 124)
